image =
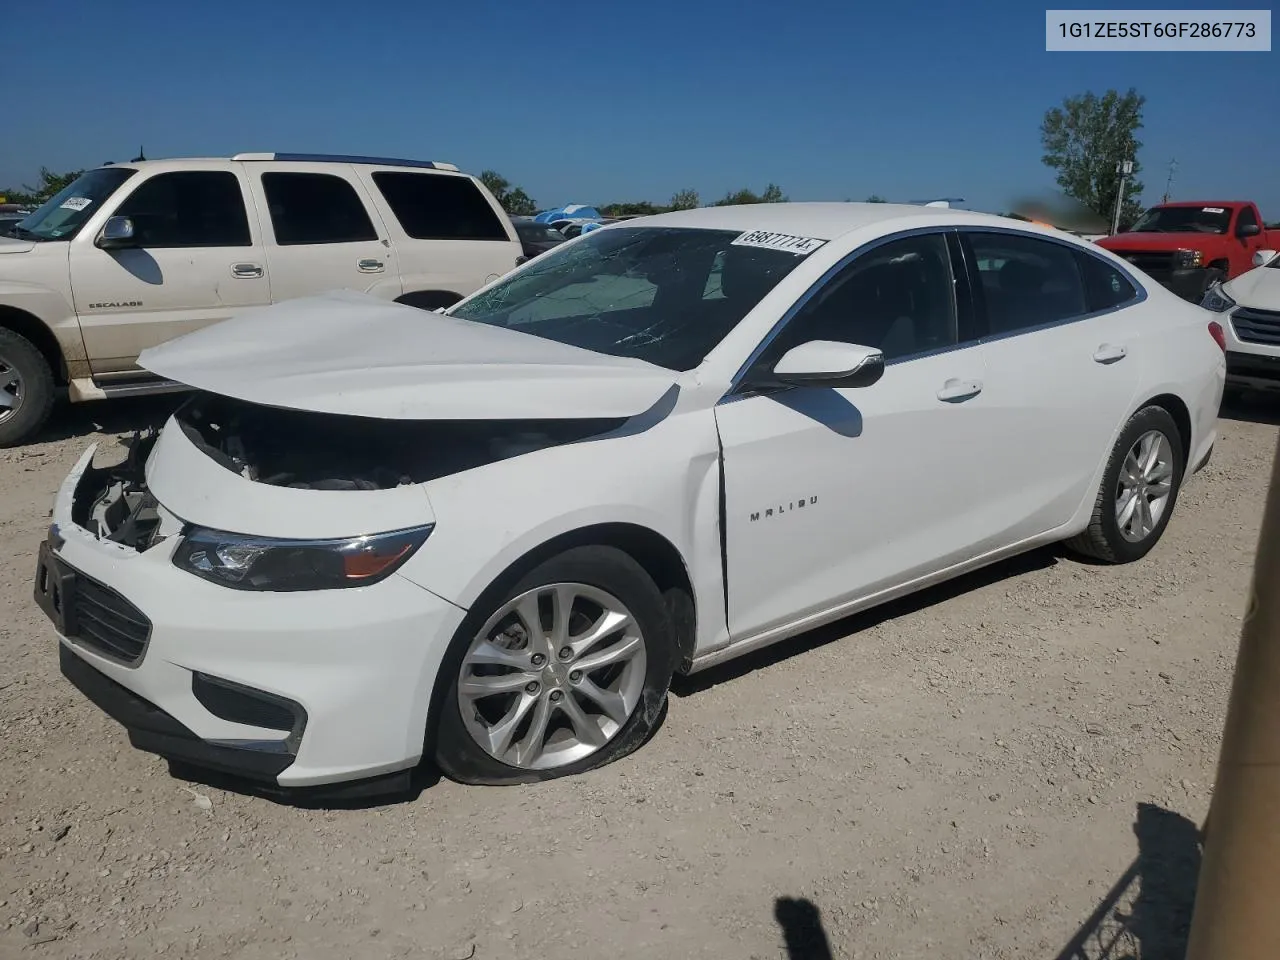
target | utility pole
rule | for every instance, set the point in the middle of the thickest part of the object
(1168, 184)
(1124, 168)
(1235, 914)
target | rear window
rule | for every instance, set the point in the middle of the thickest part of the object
(1105, 285)
(432, 206)
(537, 232)
(315, 208)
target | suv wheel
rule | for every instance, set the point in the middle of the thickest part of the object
(26, 389)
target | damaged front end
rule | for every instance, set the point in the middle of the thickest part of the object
(324, 451)
(113, 503)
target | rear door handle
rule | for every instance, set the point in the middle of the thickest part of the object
(956, 391)
(1110, 353)
(371, 265)
(246, 271)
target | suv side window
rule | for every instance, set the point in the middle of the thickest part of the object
(1026, 281)
(1105, 285)
(188, 208)
(898, 297)
(1247, 218)
(315, 208)
(432, 206)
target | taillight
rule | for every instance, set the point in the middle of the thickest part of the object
(1219, 336)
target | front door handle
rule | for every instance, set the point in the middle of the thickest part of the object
(1110, 353)
(956, 391)
(371, 265)
(246, 271)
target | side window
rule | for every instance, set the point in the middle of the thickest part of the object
(898, 297)
(1105, 285)
(1026, 281)
(1247, 218)
(433, 206)
(315, 208)
(188, 208)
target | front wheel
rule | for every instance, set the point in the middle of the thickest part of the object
(567, 671)
(1139, 489)
(26, 388)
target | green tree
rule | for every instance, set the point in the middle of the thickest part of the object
(772, 194)
(635, 208)
(50, 183)
(875, 198)
(684, 200)
(1085, 138)
(513, 199)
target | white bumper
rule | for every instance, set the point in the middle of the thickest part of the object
(361, 662)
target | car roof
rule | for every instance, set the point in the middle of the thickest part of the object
(822, 221)
(184, 163)
(1206, 203)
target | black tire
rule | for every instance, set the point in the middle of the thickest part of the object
(1211, 276)
(21, 424)
(1102, 539)
(456, 751)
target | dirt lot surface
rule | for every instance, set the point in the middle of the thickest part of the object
(967, 774)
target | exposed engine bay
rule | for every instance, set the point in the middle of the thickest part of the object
(113, 503)
(322, 451)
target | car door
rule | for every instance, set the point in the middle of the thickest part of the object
(321, 232)
(836, 494)
(1062, 368)
(197, 258)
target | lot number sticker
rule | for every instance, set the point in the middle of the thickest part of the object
(77, 203)
(801, 246)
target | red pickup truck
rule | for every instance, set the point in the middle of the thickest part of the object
(1190, 245)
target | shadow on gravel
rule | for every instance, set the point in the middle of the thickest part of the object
(1252, 407)
(783, 650)
(1147, 913)
(108, 416)
(802, 930)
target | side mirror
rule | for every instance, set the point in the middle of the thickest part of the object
(1248, 230)
(1262, 257)
(117, 234)
(828, 363)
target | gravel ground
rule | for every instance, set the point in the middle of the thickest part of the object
(973, 773)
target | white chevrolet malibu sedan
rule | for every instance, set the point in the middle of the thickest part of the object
(489, 537)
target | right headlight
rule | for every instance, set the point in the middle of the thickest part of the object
(261, 563)
(1217, 299)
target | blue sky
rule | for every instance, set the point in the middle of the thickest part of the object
(600, 101)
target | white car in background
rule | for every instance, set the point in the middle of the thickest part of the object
(1251, 303)
(490, 536)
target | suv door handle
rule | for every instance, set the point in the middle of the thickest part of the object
(370, 265)
(1110, 353)
(956, 391)
(246, 271)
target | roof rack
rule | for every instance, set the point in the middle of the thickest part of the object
(347, 158)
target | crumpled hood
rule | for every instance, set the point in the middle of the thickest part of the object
(1259, 287)
(354, 354)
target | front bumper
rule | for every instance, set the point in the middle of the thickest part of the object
(353, 668)
(1189, 283)
(1253, 370)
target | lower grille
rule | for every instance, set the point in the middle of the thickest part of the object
(107, 622)
(239, 704)
(1257, 326)
(1153, 261)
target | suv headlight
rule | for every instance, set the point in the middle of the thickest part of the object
(1217, 299)
(1187, 258)
(259, 563)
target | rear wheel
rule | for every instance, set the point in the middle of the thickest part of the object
(567, 671)
(1138, 492)
(26, 389)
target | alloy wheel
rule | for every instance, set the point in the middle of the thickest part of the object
(11, 390)
(553, 676)
(1144, 487)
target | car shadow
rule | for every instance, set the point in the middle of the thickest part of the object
(1252, 406)
(1040, 559)
(106, 417)
(1147, 912)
